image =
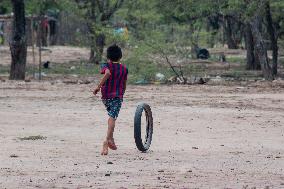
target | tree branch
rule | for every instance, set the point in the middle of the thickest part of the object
(112, 10)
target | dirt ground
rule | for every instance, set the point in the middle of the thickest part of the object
(57, 54)
(204, 137)
(65, 54)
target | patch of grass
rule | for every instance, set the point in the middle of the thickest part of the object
(214, 58)
(236, 60)
(146, 70)
(72, 68)
(230, 59)
(4, 69)
(281, 61)
(243, 74)
(37, 137)
(140, 67)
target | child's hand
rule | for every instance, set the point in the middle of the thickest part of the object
(95, 92)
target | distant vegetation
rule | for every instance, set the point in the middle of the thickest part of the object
(166, 35)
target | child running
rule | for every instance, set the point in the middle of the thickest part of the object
(112, 87)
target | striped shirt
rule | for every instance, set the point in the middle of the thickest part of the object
(114, 85)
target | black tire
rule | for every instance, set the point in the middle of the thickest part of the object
(143, 145)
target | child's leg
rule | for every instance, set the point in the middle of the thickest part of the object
(109, 142)
(105, 148)
(111, 126)
(113, 106)
(109, 138)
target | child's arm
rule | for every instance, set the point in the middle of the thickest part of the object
(124, 89)
(102, 82)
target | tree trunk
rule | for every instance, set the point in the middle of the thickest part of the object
(92, 55)
(229, 34)
(100, 44)
(252, 60)
(194, 50)
(97, 47)
(91, 27)
(92, 52)
(18, 44)
(273, 38)
(193, 41)
(261, 50)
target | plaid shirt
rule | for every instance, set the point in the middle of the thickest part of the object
(114, 85)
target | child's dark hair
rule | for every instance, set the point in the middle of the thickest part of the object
(114, 53)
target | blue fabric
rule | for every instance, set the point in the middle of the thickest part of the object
(104, 66)
(113, 106)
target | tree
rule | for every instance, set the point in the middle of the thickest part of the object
(272, 36)
(232, 28)
(5, 6)
(252, 60)
(18, 44)
(188, 13)
(140, 16)
(261, 49)
(255, 15)
(98, 14)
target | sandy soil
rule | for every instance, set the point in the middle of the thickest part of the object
(204, 137)
(57, 54)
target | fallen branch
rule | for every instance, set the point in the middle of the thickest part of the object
(180, 77)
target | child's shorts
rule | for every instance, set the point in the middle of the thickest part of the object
(113, 106)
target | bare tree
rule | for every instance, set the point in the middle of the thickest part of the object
(273, 38)
(252, 60)
(261, 50)
(18, 44)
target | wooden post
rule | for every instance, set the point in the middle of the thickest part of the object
(39, 46)
(33, 48)
(48, 35)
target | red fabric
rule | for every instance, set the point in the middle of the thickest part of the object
(114, 85)
(45, 23)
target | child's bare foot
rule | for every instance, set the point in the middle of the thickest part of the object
(111, 144)
(105, 149)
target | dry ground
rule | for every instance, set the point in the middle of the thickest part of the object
(65, 54)
(57, 54)
(204, 137)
